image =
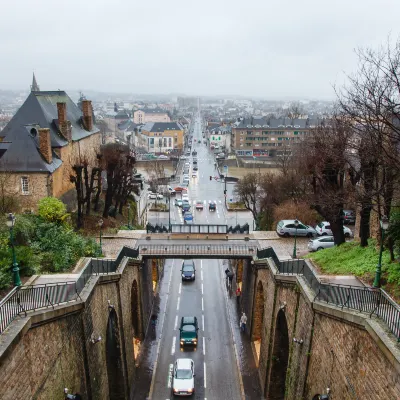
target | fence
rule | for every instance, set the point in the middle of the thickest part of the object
(30, 298)
(360, 298)
(197, 228)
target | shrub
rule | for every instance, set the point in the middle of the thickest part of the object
(51, 209)
(300, 210)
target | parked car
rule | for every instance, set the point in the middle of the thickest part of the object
(324, 229)
(212, 206)
(199, 205)
(185, 207)
(349, 217)
(188, 270)
(155, 196)
(287, 228)
(220, 156)
(183, 377)
(320, 243)
(163, 157)
(180, 189)
(178, 202)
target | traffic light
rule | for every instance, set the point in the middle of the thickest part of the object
(210, 178)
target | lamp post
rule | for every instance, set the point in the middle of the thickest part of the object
(129, 216)
(384, 222)
(296, 224)
(10, 223)
(168, 201)
(100, 224)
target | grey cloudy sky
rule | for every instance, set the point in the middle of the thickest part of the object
(262, 48)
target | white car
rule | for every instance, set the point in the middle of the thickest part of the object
(155, 196)
(162, 157)
(178, 202)
(194, 174)
(185, 196)
(324, 229)
(183, 377)
(320, 243)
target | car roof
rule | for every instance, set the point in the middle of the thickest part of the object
(324, 237)
(184, 363)
(188, 328)
(188, 320)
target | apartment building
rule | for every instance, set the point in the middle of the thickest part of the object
(258, 136)
(161, 137)
(150, 115)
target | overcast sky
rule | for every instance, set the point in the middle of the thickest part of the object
(266, 48)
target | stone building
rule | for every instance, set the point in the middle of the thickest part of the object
(150, 115)
(41, 143)
(161, 137)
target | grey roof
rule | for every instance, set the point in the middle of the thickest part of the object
(23, 155)
(161, 126)
(153, 111)
(40, 108)
(127, 125)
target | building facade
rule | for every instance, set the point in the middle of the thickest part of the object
(258, 136)
(150, 115)
(157, 137)
(40, 145)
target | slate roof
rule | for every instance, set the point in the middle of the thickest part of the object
(127, 125)
(162, 126)
(153, 110)
(20, 151)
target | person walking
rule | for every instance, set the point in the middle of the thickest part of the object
(238, 294)
(243, 322)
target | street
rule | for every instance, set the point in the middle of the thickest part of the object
(201, 188)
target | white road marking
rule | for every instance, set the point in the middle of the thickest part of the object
(176, 322)
(171, 371)
(204, 345)
(202, 289)
(179, 302)
(180, 288)
(205, 376)
(173, 346)
(201, 264)
(202, 304)
(201, 275)
(202, 320)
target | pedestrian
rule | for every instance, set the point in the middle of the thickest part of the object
(230, 276)
(243, 322)
(238, 294)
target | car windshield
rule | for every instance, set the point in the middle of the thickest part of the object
(183, 374)
(321, 225)
(188, 268)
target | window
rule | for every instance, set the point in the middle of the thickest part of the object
(25, 185)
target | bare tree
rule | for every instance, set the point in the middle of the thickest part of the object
(295, 110)
(248, 191)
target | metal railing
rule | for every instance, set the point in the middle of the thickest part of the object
(30, 298)
(22, 299)
(198, 251)
(369, 300)
(187, 228)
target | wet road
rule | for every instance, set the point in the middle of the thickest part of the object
(201, 188)
(217, 375)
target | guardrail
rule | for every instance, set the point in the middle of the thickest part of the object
(369, 300)
(33, 297)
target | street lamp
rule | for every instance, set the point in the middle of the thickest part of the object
(129, 215)
(168, 201)
(384, 222)
(296, 224)
(10, 223)
(100, 224)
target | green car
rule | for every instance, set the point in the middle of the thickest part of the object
(188, 331)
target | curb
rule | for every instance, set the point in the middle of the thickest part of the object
(233, 340)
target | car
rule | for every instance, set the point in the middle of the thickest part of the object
(187, 216)
(195, 168)
(171, 191)
(187, 154)
(189, 222)
(287, 228)
(220, 156)
(183, 157)
(212, 206)
(185, 201)
(155, 196)
(188, 270)
(185, 184)
(180, 189)
(188, 331)
(194, 162)
(163, 157)
(349, 217)
(199, 205)
(320, 243)
(183, 377)
(187, 164)
(185, 207)
(185, 176)
(194, 174)
(178, 202)
(194, 153)
(324, 229)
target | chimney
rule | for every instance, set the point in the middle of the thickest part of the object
(87, 114)
(45, 144)
(63, 123)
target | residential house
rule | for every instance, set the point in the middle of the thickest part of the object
(161, 137)
(150, 115)
(41, 143)
(258, 136)
(221, 136)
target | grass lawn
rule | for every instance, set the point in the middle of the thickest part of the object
(351, 259)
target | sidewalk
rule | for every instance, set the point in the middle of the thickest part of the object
(247, 363)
